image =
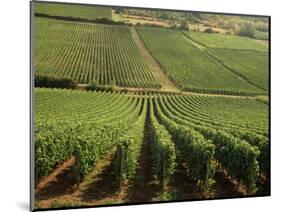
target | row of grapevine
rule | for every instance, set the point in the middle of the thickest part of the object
(222, 112)
(86, 53)
(243, 132)
(58, 136)
(237, 156)
(163, 150)
(197, 151)
(129, 146)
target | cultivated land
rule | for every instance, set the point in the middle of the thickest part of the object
(252, 66)
(216, 40)
(97, 125)
(105, 54)
(157, 71)
(77, 11)
(197, 72)
(172, 114)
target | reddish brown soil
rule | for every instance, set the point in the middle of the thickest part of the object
(104, 186)
(59, 182)
(144, 187)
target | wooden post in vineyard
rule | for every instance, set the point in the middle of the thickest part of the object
(121, 154)
(162, 181)
(207, 174)
(77, 167)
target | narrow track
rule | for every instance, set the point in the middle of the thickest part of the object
(157, 71)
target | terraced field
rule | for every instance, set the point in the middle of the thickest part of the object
(74, 11)
(87, 52)
(189, 67)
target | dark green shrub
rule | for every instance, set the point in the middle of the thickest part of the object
(247, 30)
(53, 82)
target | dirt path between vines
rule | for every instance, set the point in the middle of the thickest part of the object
(154, 90)
(157, 71)
(144, 187)
(44, 187)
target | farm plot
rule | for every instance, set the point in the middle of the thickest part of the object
(215, 40)
(189, 67)
(242, 153)
(88, 53)
(203, 129)
(87, 124)
(73, 11)
(251, 65)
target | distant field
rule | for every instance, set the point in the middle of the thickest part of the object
(261, 35)
(86, 52)
(251, 65)
(75, 11)
(188, 66)
(215, 40)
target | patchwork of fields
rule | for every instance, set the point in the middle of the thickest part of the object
(188, 66)
(182, 114)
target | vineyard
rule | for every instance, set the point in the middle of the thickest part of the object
(89, 125)
(133, 112)
(90, 53)
(227, 41)
(77, 11)
(198, 72)
(251, 65)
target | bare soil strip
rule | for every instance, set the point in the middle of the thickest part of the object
(157, 71)
(155, 90)
(59, 182)
(53, 177)
(144, 186)
(185, 188)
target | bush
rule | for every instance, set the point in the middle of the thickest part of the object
(184, 26)
(174, 26)
(209, 30)
(247, 30)
(94, 86)
(53, 82)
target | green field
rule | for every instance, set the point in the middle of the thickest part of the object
(188, 66)
(93, 123)
(261, 35)
(90, 123)
(73, 11)
(215, 40)
(87, 52)
(251, 65)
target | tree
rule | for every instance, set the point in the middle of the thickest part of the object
(247, 30)
(184, 26)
